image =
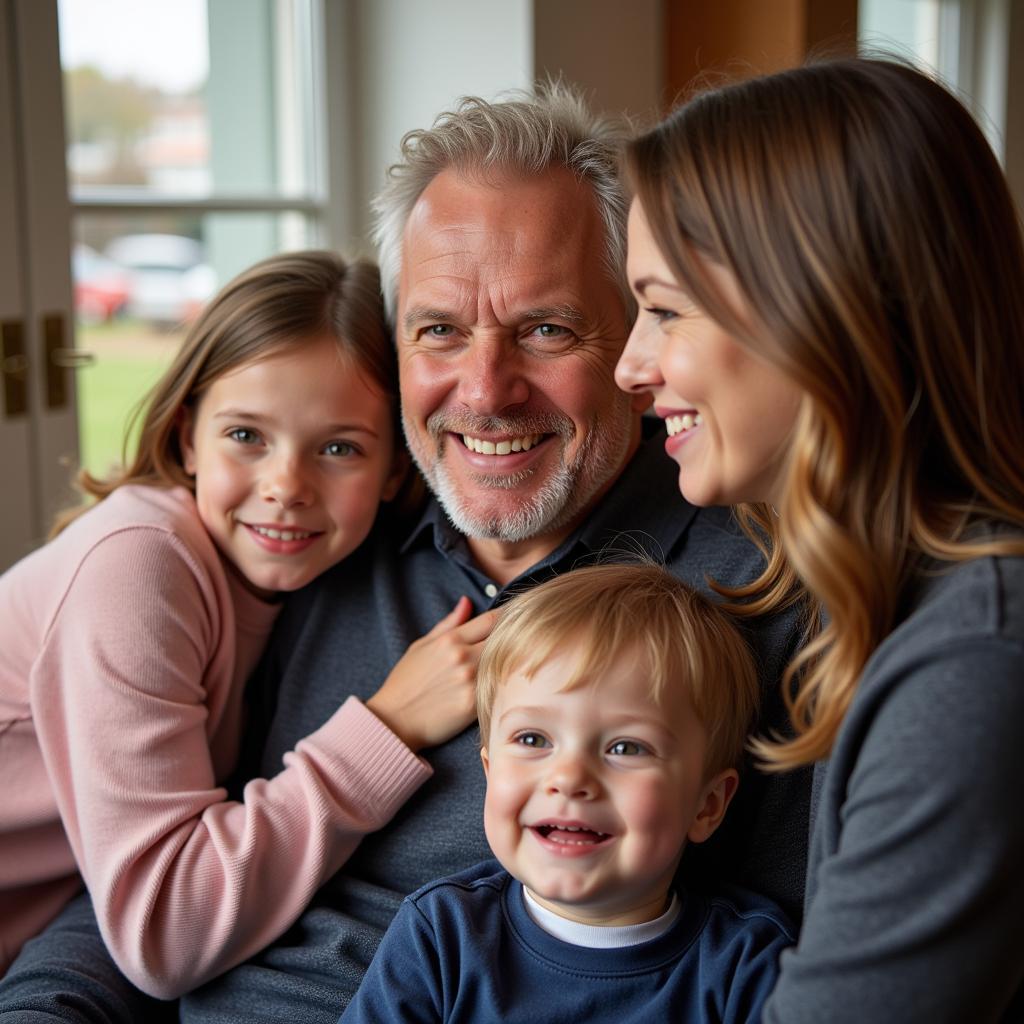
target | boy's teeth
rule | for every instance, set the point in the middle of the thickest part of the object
(677, 424)
(513, 444)
(266, 531)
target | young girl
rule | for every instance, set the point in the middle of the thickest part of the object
(831, 278)
(264, 453)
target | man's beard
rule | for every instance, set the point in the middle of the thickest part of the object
(564, 496)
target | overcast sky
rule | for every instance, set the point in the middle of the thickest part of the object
(157, 42)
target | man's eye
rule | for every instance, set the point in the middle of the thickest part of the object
(243, 435)
(627, 748)
(440, 330)
(553, 333)
(340, 449)
(532, 739)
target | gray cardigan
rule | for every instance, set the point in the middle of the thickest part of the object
(915, 891)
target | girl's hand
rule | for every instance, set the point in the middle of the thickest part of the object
(430, 694)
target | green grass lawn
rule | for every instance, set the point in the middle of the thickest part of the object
(128, 362)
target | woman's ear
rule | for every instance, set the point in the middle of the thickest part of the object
(717, 795)
(485, 760)
(185, 426)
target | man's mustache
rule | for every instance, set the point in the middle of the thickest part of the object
(451, 421)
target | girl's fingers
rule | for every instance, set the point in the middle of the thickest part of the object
(478, 629)
(456, 617)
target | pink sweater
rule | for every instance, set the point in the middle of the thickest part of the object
(124, 646)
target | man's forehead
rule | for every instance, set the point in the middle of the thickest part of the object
(534, 242)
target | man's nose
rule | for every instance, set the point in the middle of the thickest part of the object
(572, 776)
(491, 377)
(286, 482)
(637, 370)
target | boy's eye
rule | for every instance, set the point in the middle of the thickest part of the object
(243, 435)
(532, 739)
(340, 448)
(628, 748)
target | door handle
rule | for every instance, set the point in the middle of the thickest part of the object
(59, 358)
(14, 368)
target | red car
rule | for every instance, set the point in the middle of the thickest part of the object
(101, 286)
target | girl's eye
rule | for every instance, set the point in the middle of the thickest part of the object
(340, 449)
(532, 739)
(627, 748)
(243, 435)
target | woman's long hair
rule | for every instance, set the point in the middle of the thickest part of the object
(878, 250)
(281, 302)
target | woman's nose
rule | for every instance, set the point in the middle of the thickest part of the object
(637, 371)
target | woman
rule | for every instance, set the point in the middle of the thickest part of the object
(831, 280)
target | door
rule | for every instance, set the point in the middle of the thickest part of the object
(38, 428)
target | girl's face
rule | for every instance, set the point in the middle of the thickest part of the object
(291, 456)
(729, 413)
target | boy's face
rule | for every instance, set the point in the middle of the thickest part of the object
(592, 793)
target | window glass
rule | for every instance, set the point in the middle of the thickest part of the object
(139, 281)
(910, 28)
(190, 128)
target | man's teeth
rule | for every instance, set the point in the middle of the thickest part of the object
(514, 444)
(677, 424)
(266, 531)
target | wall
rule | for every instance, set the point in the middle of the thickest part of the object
(739, 36)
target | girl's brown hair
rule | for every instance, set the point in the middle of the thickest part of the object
(281, 302)
(874, 240)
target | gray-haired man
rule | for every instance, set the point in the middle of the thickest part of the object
(501, 236)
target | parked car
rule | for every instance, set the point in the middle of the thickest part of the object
(169, 282)
(101, 287)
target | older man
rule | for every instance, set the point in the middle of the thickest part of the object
(501, 238)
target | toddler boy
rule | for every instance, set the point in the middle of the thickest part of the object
(614, 703)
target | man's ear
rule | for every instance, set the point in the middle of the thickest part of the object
(716, 798)
(486, 761)
(185, 426)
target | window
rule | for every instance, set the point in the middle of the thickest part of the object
(194, 148)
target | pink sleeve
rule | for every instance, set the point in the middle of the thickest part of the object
(186, 883)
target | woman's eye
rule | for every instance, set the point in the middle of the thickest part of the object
(243, 435)
(659, 314)
(340, 449)
(532, 739)
(627, 748)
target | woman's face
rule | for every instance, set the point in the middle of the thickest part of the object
(729, 413)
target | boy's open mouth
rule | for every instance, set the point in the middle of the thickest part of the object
(571, 835)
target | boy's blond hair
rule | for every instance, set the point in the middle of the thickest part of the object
(677, 634)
